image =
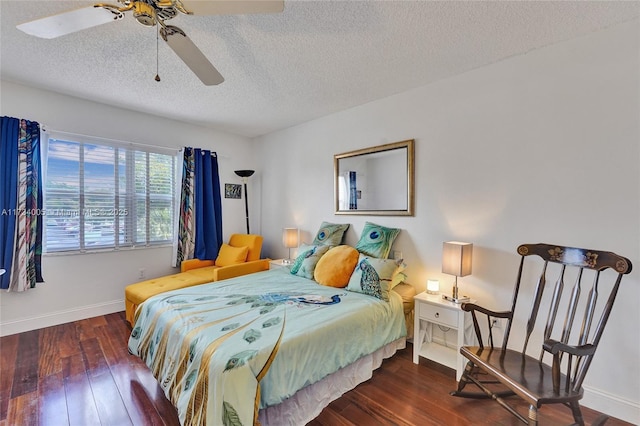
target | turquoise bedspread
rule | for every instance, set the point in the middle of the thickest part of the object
(223, 350)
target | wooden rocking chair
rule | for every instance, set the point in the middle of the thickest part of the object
(502, 372)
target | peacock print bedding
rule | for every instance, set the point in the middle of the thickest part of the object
(224, 350)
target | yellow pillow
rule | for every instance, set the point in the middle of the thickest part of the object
(229, 255)
(335, 268)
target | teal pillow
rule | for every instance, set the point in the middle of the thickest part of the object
(308, 256)
(330, 234)
(375, 277)
(376, 240)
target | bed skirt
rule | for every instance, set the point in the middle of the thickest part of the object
(306, 404)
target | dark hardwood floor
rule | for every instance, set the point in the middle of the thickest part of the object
(81, 373)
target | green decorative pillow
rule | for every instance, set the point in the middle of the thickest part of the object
(375, 277)
(335, 267)
(376, 240)
(307, 259)
(330, 234)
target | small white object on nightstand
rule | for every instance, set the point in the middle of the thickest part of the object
(279, 263)
(432, 310)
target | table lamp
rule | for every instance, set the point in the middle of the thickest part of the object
(433, 286)
(456, 261)
(289, 240)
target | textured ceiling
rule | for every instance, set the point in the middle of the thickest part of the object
(315, 58)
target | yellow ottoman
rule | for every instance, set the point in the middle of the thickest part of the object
(137, 293)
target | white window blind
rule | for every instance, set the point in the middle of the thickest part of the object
(105, 194)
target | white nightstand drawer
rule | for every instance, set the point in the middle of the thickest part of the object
(438, 314)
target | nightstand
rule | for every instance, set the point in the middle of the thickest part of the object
(278, 263)
(431, 310)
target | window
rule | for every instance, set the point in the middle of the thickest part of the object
(104, 194)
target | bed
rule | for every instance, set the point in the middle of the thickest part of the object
(270, 348)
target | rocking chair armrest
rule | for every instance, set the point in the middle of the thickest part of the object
(468, 307)
(473, 308)
(554, 347)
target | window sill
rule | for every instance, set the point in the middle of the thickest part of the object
(105, 250)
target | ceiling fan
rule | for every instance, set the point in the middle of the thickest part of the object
(150, 13)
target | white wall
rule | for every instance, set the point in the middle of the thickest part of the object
(81, 286)
(542, 147)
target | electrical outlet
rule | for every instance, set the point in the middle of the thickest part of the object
(498, 323)
(141, 274)
(397, 255)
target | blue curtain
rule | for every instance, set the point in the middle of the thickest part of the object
(20, 204)
(10, 129)
(208, 205)
(200, 222)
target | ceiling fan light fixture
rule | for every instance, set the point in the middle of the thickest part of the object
(144, 13)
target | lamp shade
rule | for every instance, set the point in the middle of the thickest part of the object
(244, 173)
(456, 258)
(290, 237)
(433, 286)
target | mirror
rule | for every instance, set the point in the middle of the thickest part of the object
(375, 181)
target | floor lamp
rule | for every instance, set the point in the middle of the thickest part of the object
(244, 174)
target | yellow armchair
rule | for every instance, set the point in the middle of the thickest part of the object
(251, 241)
(196, 271)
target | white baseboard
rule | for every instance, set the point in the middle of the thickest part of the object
(60, 317)
(612, 405)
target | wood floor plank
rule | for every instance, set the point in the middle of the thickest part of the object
(69, 342)
(421, 396)
(140, 409)
(114, 338)
(9, 351)
(52, 401)
(25, 375)
(330, 417)
(108, 400)
(149, 389)
(377, 391)
(23, 410)
(380, 411)
(81, 406)
(49, 356)
(85, 327)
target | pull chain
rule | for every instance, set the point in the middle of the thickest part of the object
(157, 52)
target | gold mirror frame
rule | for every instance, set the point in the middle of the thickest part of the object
(408, 146)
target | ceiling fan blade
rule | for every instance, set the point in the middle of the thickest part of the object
(231, 7)
(69, 22)
(191, 55)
